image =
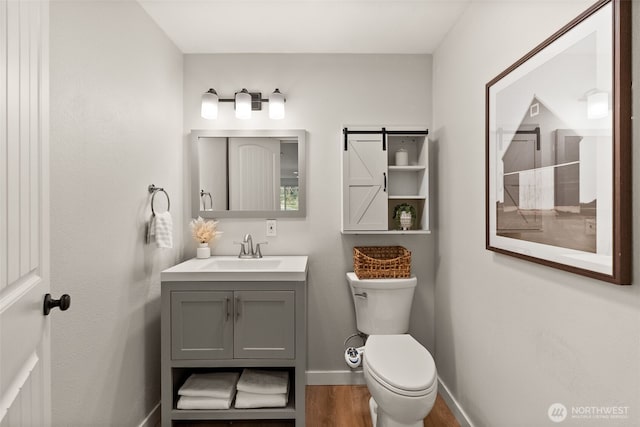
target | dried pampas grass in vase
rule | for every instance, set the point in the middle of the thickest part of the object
(204, 232)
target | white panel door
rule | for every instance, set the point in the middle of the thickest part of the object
(254, 174)
(364, 173)
(24, 214)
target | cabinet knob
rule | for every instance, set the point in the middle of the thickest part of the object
(49, 303)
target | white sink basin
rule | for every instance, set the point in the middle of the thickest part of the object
(243, 264)
(234, 269)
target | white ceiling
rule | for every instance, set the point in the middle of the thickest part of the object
(305, 26)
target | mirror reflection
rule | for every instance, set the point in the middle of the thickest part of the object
(248, 173)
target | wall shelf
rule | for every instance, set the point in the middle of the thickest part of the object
(385, 232)
(413, 197)
(407, 168)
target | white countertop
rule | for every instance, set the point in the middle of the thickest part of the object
(234, 269)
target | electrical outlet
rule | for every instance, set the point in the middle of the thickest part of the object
(272, 230)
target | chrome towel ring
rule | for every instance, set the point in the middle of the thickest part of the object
(153, 190)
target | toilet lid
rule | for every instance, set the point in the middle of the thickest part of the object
(400, 361)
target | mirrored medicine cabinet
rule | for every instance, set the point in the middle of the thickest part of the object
(248, 173)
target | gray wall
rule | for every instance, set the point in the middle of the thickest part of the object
(323, 93)
(514, 337)
(116, 127)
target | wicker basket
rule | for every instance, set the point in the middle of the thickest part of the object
(381, 262)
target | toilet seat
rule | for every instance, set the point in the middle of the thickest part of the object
(400, 364)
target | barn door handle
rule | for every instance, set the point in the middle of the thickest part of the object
(63, 303)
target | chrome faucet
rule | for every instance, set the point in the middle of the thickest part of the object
(247, 250)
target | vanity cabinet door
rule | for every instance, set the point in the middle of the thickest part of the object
(201, 325)
(265, 324)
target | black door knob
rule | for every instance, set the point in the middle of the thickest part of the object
(63, 303)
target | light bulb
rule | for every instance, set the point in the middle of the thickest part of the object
(243, 105)
(597, 105)
(209, 108)
(276, 105)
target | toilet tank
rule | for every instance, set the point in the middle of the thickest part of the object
(383, 306)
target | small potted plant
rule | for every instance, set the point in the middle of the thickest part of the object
(204, 232)
(404, 214)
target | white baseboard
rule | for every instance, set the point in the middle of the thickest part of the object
(347, 377)
(453, 405)
(153, 419)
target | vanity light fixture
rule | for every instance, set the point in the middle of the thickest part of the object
(244, 102)
(597, 104)
(276, 105)
(243, 105)
(209, 109)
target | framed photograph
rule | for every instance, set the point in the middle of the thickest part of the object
(558, 154)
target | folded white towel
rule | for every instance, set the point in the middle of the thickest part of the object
(191, 402)
(218, 385)
(264, 382)
(162, 227)
(256, 400)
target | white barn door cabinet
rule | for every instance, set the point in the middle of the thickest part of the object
(373, 184)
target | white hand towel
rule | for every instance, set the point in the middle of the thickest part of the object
(151, 229)
(246, 400)
(163, 230)
(219, 385)
(191, 402)
(264, 382)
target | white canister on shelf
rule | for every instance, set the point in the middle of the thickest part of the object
(402, 157)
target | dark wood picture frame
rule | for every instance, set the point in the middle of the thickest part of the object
(619, 266)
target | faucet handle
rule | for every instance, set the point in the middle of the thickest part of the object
(258, 251)
(243, 249)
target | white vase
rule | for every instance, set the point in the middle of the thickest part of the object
(405, 220)
(204, 251)
(402, 157)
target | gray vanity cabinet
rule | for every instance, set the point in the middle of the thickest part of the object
(227, 326)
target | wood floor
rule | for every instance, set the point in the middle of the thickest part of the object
(340, 406)
(349, 406)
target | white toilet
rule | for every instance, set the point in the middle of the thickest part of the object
(399, 372)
